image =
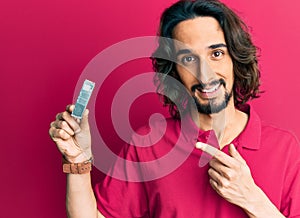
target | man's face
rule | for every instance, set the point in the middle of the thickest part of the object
(203, 63)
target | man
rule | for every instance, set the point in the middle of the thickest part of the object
(255, 172)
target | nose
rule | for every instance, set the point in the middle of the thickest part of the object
(205, 73)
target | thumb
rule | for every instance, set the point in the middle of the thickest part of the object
(235, 154)
(84, 123)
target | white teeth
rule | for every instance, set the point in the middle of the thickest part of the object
(211, 89)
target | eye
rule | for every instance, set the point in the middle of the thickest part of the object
(217, 54)
(186, 60)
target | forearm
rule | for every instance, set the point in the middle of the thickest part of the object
(262, 207)
(80, 199)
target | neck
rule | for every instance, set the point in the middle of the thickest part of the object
(227, 124)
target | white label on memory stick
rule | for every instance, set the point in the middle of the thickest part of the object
(83, 98)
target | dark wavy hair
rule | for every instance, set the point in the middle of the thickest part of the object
(240, 47)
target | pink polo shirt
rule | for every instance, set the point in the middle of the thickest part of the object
(167, 176)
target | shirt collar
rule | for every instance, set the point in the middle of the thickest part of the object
(249, 138)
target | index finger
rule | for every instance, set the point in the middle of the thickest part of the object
(207, 148)
(216, 153)
(70, 108)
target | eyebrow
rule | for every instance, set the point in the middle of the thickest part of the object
(188, 51)
(220, 45)
(183, 51)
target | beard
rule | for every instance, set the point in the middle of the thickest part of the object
(213, 105)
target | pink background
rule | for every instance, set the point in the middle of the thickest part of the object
(45, 45)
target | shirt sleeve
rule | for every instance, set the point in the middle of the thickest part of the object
(118, 196)
(290, 205)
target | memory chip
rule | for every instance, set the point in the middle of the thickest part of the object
(83, 98)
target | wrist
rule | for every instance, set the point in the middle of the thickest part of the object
(260, 206)
(81, 167)
(255, 203)
(82, 157)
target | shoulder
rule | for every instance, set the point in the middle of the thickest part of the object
(269, 135)
(156, 129)
(281, 139)
(270, 130)
(157, 124)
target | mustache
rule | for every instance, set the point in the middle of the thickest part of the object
(201, 85)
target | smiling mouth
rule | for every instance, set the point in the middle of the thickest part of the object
(209, 90)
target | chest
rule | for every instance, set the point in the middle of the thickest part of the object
(186, 192)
